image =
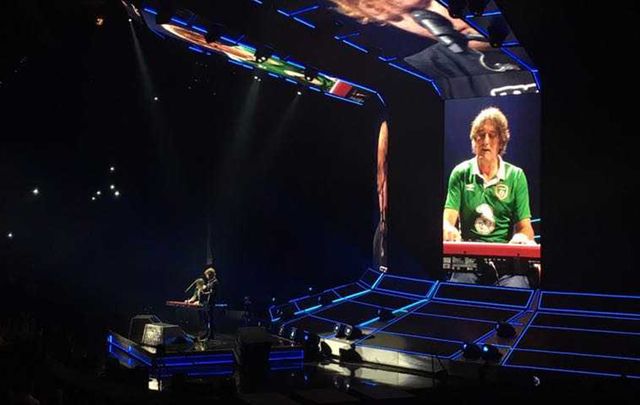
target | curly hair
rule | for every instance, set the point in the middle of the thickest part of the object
(498, 118)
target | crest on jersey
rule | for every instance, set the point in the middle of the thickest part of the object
(502, 191)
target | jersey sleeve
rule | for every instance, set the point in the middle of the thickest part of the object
(454, 190)
(522, 209)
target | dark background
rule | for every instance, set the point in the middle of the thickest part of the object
(73, 103)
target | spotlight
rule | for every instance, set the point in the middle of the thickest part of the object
(456, 8)
(352, 332)
(100, 21)
(116, 193)
(155, 98)
(471, 351)
(35, 191)
(130, 20)
(505, 330)
(310, 74)
(384, 314)
(112, 187)
(498, 31)
(112, 169)
(339, 330)
(263, 53)
(476, 7)
(10, 235)
(93, 198)
(490, 353)
(98, 192)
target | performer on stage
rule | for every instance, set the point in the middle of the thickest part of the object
(205, 294)
(210, 291)
(489, 196)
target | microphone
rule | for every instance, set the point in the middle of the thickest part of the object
(442, 29)
(191, 285)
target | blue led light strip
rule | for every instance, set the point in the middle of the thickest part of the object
(462, 318)
(343, 99)
(601, 374)
(369, 322)
(412, 305)
(424, 337)
(350, 296)
(150, 11)
(303, 311)
(199, 29)
(240, 64)
(614, 332)
(410, 352)
(355, 46)
(517, 342)
(179, 21)
(599, 356)
(589, 315)
(492, 304)
(397, 293)
(131, 353)
(304, 10)
(377, 282)
(303, 22)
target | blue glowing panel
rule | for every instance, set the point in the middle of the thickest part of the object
(474, 294)
(588, 322)
(448, 328)
(408, 285)
(581, 341)
(384, 300)
(579, 302)
(349, 313)
(468, 311)
(574, 363)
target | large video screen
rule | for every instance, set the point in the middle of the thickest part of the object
(491, 213)
(474, 56)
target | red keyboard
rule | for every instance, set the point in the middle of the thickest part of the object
(182, 304)
(490, 249)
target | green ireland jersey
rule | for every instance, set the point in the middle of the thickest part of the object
(488, 210)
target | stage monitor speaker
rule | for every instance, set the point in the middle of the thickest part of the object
(137, 324)
(164, 334)
(252, 348)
